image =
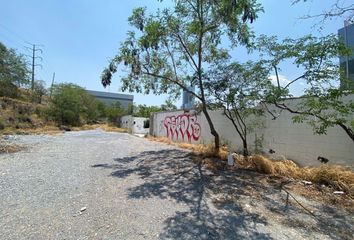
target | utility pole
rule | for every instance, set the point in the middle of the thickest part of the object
(34, 49)
(51, 87)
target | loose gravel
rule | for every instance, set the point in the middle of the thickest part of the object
(99, 185)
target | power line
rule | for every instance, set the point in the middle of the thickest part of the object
(12, 40)
(14, 33)
(35, 48)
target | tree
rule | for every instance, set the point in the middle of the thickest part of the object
(238, 89)
(168, 106)
(39, 91)
(114, 112)
(13, 72)
(170, 50)
(323, 104)
(144, 111)
(339, 9)
(71, 105)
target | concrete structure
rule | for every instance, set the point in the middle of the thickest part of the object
(135, 125)
(346, 34)
(110, 98)
(295, 141)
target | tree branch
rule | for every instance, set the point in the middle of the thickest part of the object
(347, 129)
(187, 51)
(277, 76)
(147, 72)
(296, 79)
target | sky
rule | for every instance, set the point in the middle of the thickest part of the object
(78, 37)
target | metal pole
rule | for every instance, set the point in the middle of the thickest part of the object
(33, 58)
(51, 87)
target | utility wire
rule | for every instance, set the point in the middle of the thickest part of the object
(14, 33)
(14, 42)
(35, 48)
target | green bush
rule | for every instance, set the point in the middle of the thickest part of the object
(115, 112)
(13, 72)
(102, 110)
(72, 105)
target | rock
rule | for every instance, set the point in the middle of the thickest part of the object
(65, 128)
(83, 209)
(306, 182)
(230, 160)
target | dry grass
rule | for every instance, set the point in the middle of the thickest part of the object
(9, 147)
(51, 129)
(336, 177)
(47, 129)
(85, 127)
(106, 127)
(203, 150)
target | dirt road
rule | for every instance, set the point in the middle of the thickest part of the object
(99, 185)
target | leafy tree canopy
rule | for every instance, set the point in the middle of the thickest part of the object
(142, 110)
(239, 89)
(13, 71)
(72, 105)
(171, 49)
(323, 104)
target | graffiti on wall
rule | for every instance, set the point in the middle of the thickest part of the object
(184, 127)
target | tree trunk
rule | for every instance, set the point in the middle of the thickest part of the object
(245, 147)
(212, 129)
(347, 130)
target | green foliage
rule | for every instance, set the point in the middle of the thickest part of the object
(72, 105)
(102, 109)
(167, 51)
(145, 111)
(168, 106)
(322, 105)
(39, 91)
(162, 53)
(13, 72)
(238, 89)
(114, 112)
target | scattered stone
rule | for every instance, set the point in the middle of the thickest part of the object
(65, 128)
(230, 160)
(306, 182)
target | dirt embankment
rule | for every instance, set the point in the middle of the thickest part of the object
(17, 116)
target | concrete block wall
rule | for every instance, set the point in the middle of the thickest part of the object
(193, 127)
(297, 141)
(134, 124)
(292, 140)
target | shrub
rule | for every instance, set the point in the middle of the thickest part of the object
(72, 105)
(13, 72)
(114, 112)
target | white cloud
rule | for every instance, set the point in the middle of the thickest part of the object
(282, 80)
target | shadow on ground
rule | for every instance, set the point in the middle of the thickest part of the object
(221, 204)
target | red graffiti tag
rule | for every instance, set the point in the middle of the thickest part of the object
(182, 127)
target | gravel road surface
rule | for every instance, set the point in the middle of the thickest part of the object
(99, 185)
